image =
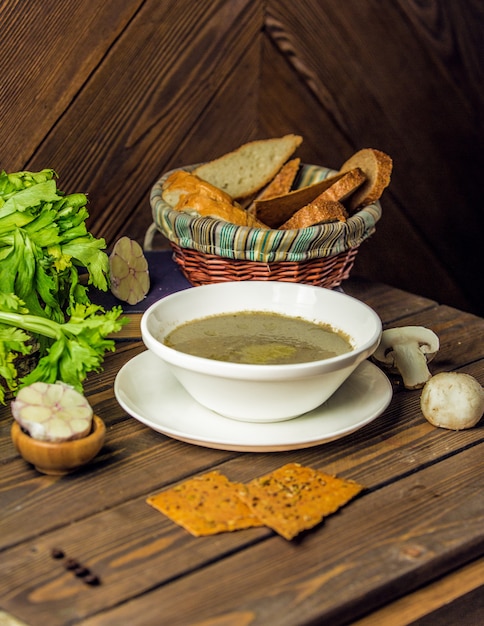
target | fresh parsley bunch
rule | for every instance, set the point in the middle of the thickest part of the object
(44, 247)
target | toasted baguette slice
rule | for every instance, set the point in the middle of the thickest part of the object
(317, 212)
(275, 211)
(342, 188)
(283, 180)
(202, 205)
(279, 185)
(377, 167)
(247, 169)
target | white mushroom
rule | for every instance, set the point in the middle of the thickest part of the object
(452, 400)
(407, 350)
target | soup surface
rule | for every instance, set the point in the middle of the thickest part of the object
(258, 338)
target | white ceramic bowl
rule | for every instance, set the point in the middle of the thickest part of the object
(262, 393)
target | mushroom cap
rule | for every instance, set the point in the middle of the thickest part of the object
(453, 400)
(427, 341)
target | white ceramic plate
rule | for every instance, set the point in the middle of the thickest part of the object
(150, 393)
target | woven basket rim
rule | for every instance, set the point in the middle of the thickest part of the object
(212, 236)
(201, 268)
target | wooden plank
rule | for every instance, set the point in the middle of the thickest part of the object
(461, 336)
(107, 523)
(49, 50)
(357, 551)
(391, 303)
(140, 451)
(158, 78)
(143, 459)
(455, 592)
(429, 245)
(369, 548)
(324, 144)
(9, 620)
(132, 330)
(286, 106)
(364, 65)
(64, 89)
(448, 31)
(92, 505)
(221, 126)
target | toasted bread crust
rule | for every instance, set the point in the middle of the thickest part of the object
(202, 205)
(283, 180)
(181, 183)
(212, 189)
(377, 167)
(317, 212)
(345, 186)
(278, 210)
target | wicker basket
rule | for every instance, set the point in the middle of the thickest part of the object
(202, 269)
(210, 251)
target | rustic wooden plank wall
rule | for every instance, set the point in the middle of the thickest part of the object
(404, 77)
(111, 94)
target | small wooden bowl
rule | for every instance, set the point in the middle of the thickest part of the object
(58, 458)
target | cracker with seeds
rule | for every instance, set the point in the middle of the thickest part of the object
(205, 505)
(294, 498)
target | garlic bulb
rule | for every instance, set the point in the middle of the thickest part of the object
(52, 412)
(130, 280)
(452, 400)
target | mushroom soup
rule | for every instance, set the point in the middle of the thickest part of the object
(258, 338)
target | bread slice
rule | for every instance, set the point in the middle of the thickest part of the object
(276, 211)
(344, 187)
(247, 169)
(198, 204)
(283, 180)
(279, 185)
(317, 212)
(181, 183)
(377, 167)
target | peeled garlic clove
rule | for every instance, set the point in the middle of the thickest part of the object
(130, 280)
(52, 412)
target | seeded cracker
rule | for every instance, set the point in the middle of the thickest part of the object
(294, 498)
(205, 505)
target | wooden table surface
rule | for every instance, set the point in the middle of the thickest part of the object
(409, 549)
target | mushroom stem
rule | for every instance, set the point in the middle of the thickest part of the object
(412, 365)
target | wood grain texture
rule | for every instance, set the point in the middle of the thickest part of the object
(243, 581)
(140, 86)
(112, 94)
(49, 51)
(411, 471)
(440, 603)
(399, 77)
(144, 100)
